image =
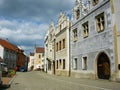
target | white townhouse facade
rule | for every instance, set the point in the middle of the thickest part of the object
(8, 53)
(49, 62)
(95, 39)
(31, 62)
(39, 58)
(62, 45)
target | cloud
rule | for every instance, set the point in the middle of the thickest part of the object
(25, 34)
(25, 22)
(39, 10)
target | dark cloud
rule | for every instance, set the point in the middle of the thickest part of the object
(24, 22)
(40, 10)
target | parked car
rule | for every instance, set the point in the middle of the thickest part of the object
(21, 69)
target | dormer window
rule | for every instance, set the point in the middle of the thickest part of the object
(78, 14)
(95, 2)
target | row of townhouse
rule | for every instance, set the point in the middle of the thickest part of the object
(88, 46)
(12, 55)
(36, 59)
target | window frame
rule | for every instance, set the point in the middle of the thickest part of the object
(63, 63)
(84, 63)
(75, 63)
(75, 34)
(100, 22)
(77, 14)
(63, 43)
(85, 28)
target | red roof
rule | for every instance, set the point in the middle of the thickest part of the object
(8, 45)
(39, 50)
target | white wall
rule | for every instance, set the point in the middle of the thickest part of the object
(1, 51)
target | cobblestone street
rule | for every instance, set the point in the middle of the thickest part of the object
(41, 81)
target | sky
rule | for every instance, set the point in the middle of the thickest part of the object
(25, 22)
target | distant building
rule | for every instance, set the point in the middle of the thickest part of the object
(95, 39)
(31, 62)
(39, 58)
(20, 58)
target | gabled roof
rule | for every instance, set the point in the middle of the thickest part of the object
(39, 50)
(6, 44)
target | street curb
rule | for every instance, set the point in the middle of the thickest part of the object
(10, 82)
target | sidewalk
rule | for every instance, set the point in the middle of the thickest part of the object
(7, 81)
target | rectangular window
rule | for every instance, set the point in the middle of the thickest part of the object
(75, 35)
(49, 65)
(78, 14)
(60, 63)
(63, 63)
(85, 29)
(100, 22)
(95, 2)
(63, 43)
(75, 64)
(39, 56)
(57, 64)
(59, 45)
(84, 63)
(56, 46)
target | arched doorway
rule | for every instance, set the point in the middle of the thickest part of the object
(103, 66)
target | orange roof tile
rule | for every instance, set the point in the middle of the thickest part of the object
(39, 50)
(8, 45)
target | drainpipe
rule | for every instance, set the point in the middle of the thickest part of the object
(54, 57)
(69, 51)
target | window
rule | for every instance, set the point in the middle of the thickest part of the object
(75, 64)
(78, 14)
(39, 56)
(63, 43)
(85, 29)
(95, 2)
(49, 65)
(60, 64)
(59, 45)
(56, 46)
(84, 63)
(60, 27)
(57, 64)
(63, 63)
(75, 36)
(100, 22)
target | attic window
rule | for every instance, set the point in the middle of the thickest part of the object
(95, 2)
(78, 14)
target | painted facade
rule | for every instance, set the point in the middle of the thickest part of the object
(62, 45)
(31, 62)
(8, 53)
(50, 50)
(95, 51)
(39, 58)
